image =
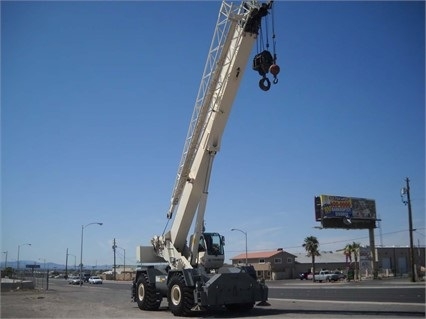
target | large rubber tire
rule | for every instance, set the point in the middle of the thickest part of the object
(180, 296)
(147, 296)
(240, 307)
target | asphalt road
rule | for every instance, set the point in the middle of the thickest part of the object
(288, 299)
(381, 291)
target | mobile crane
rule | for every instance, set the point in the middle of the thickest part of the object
(193, 277)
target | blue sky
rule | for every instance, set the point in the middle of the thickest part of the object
(96, 101)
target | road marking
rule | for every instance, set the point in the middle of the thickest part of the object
(353, 302)
(293, 286)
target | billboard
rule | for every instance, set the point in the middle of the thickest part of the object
(345, 212)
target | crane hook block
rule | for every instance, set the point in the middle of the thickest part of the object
(262, 62)
(265, 84)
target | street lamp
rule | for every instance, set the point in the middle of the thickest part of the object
(405, 191)
(245, 234)
(19, 247)
(81, 249)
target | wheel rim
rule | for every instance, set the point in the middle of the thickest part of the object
(141, 292)
(175, 295)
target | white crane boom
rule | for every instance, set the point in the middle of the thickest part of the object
(229, 15)
(223, 73)
(235, 34)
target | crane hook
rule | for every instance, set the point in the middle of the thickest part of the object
(274, 69)
(263, 86)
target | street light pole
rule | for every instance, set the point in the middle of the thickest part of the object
(81, 249)
(406, 191)
(245, 234)
(114, 246)
(19, 248)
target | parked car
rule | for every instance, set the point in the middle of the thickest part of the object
(311, 276)
(74, 280)
(340, 275)
(86, 277)
(95, 280)
(304, 275)
(325, 275)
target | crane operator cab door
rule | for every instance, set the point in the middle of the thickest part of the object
(211, 250)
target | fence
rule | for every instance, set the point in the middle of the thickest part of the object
(40, 279)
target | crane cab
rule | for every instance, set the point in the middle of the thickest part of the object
(211, 253)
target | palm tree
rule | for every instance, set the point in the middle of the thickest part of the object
(311, 245)
(348, 251)
(355, 250)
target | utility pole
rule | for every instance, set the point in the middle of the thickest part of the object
(5, 262)
(114, 247)
(406, 191)
(66, 265)
(124, 271)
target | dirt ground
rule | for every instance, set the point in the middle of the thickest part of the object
(69, 302)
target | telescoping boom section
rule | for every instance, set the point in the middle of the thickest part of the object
(188, 268)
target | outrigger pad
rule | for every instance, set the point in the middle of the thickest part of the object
(263, 304)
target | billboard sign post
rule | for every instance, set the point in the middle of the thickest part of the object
(349, 213)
